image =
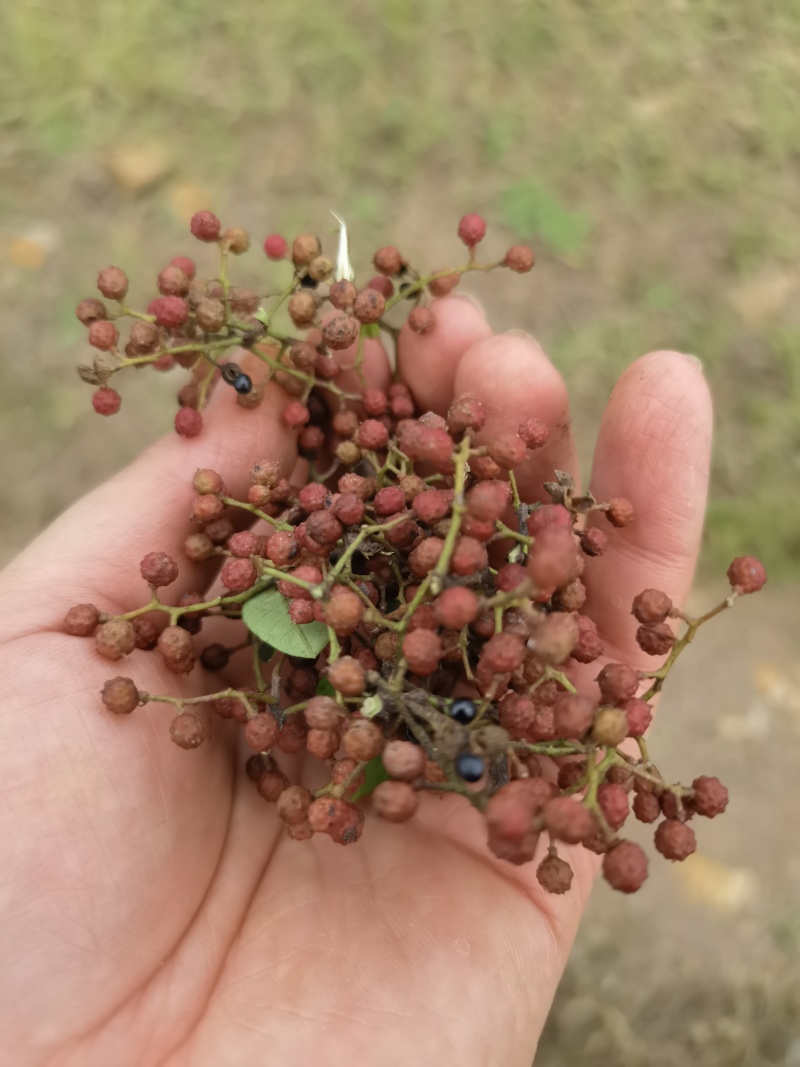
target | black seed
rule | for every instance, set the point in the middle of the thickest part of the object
(463, 710)
(470, 767)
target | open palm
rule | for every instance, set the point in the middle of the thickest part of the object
(152, 910)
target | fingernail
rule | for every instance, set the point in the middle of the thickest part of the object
(468, 298)
(525, 337)
(694, 359)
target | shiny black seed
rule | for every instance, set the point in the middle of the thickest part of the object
(463, 710)
(243, 383)
(470, 767)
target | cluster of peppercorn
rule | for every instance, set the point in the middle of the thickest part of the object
(409, 571)
(194, 322)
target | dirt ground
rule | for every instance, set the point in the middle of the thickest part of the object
(703, 966)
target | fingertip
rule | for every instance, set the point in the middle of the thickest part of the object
(515, 380)
(660, 408)
(671, 371)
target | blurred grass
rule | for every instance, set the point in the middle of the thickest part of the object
(650, 152)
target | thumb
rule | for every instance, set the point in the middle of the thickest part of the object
(92, 552)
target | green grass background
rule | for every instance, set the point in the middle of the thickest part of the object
(649, 151)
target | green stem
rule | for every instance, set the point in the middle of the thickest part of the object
(418, 285)
(515, 500)
(693, 626)
(179, 702)
(506, 531)
(231, 502)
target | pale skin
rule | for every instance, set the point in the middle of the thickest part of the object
(152, 909)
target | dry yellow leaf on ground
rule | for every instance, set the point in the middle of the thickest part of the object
(718, 886)
(136, 168)
(27, 253)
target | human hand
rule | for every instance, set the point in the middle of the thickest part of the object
(153, 910)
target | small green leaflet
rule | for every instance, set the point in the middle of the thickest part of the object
(267, 616)
(325, 689)
(374, 774)
(371, 706)
(370, 329)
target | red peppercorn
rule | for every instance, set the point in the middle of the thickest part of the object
(205, 226)
(710, 797)
(188, 422)
(554, 874)
(106, 401)
(651, 606)
(519, 259)
(369, 305)
(295, 415)
(534, 433)
(456, 608)
(395, 801)
(112, 283)
(618, 682)
(625, 867)
(472, 230)
(421, 320)
(340, 332)
(262, 732)
(639, 715)
(159, 569)
(675, 840)
(372, 435)
(574, 715)
(188, 730)
(275, 246)
(567, 820)
(422, 650)
(120, 695)
(469, 557)
(82, 620)
(238, 575)
(346, 675)
(655, 639)
(170, 311)
(619, 512)
(747, 574)
(103, 335)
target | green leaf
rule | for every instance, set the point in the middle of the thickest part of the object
(533, 211)
(374, 774)
(370, 329)
(267, 616)
(325, 689)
